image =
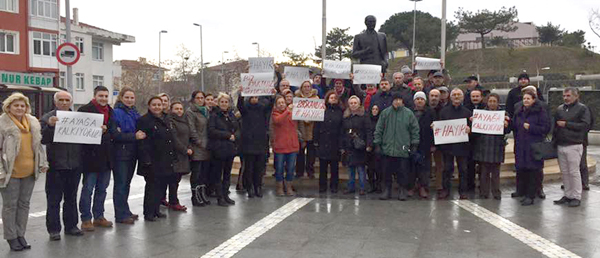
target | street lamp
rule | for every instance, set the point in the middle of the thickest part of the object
(414, 31)
(159, 64)
(257, 48)
(201, 58)
(223, 69)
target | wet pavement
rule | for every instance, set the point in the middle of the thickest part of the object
(337, 225)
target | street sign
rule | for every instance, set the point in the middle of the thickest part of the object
(68, 54)
(26, 79)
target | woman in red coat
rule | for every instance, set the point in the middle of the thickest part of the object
(285, 144)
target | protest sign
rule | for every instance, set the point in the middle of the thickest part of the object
(450, 131)
(424, 63)
(261, 65)
(367, 74)
(309, 109)
(488, 122)
(257, 84)
(337, 69)
(296, 75)
(78, 127)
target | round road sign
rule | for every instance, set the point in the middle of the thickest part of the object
(68, 54)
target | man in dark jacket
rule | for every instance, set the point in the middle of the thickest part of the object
(405, 91)
(476, 97)
(383, 98)
(516, 94)
(436, 106)
(473, 84)
(572, 120)
(97, 163)
(64, 173)
(421, 161)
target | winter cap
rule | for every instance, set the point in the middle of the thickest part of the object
(396, 95)
(438, 74)
(443, 88)
(471, 78)
(420, 94)
(405, 70)
(523, 76)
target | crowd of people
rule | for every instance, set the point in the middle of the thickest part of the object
(379, 132)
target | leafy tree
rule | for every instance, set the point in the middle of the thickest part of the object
(399, 29)
(549, 34)
(573, 39)
(296, 59)
(484, 21)
(339, 44)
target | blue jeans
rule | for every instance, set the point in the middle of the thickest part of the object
(361, 177)
(93, 183)
(122, 173)
(290, 164)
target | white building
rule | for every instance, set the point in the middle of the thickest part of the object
(95, 67)
(526, 35)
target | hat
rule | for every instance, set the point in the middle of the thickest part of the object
(443, 88)
(438, 74)
(420, 94)
(405, 70)
(471, 78)
(431, 72)
(523, 76)
(530, 87)
(396, 95)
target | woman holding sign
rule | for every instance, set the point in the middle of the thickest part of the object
(306, 156)
(285, 144)
(357, 140)
(327, 140)
(23, 158)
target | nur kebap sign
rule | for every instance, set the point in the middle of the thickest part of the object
(78, 127)
(309, 109)
(488, 122)
(257, 84)
(450, 131)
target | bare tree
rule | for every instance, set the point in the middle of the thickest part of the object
(594, 21)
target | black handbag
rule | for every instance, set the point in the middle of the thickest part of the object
(544, 150)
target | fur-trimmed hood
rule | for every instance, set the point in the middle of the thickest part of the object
(314, 93)
(359, 112)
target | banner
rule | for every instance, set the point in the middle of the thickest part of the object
(78, 127)
(367, 74)
(424, 63)
(261, 65)
(337, 69)
(450, 131)
(257, 84)
(488, 122)
(309, 109)
(296, 75)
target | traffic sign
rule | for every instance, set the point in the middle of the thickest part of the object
(68, 54)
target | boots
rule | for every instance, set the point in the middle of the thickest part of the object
(203, 195)
(402, 194)
(279, 189)
(289, 188)
(221, 202)
(227, 199)
(387, 194)
(258, 191)
(196, 198)
(250, 192)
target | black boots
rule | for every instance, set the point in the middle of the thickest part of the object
(387, 194)
(203, 194)
(258, 191)
(197, 197)
(250, 192)
(227, 199)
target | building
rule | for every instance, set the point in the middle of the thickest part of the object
(526, 35)
(95, 66)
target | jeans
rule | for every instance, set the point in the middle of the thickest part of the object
(16, 197)
(449, 170)
(399, 166)
(333, 181)
(569, 159)
(93, 183)
(287, 161)
(254, 166)
(306, 161)
(123, 174)
(62, 184)
(361, 177)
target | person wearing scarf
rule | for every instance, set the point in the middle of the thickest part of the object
(197, 116)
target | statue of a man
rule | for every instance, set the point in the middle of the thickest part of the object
(370, 47)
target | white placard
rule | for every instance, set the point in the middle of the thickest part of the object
(257, 84)
(337, 69)
(367, 74)
(296, 75)
(424, 63)
(450, 131)
(309, 109)
(488, 122)
(78, 127)
(261, 65)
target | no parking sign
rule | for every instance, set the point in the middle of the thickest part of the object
(68, 54)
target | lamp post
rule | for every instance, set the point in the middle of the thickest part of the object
(414, 31)
(159, 64)
(223, 69)
(201, 58)
(443, 45)
(257, 48)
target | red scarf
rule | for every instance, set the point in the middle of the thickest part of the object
(102, 109)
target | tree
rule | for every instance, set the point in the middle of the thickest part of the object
(339, 44)
(399, 29)
(143, 77)
(549, 34)
(296, 59)
(484, 21)
(183, 65)
(573, 39)
(594, 21)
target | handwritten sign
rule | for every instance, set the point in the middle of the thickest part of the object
(261, 64)
(337, 69)
(309, 109)
(78, 127)
(257, 84)
(367, 74)
(488, 122)
(424, 63)
(296, 75)
(450, 131)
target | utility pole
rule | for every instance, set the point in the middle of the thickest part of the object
(443, 47)
(324, 34)
(414, 32)
(69, 74)
(201, 58)
(160, 73)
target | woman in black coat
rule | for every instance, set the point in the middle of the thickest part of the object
(223, 134)
(327, 140)
(183, 148)
(357, 139)
(157, 157)
(374, 172)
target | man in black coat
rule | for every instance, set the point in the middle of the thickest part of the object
(473, 84)
(383, 98)
(421, 161)
(62, 180)
(476, 102)
(516, 94)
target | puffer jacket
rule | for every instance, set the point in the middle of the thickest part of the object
(308, 126)
(124, 142)
(396, 131)
(198, 121)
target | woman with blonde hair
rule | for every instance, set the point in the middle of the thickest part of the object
(357, 139)
(23, 158)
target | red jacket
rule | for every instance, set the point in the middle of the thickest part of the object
(285, 133)
(370, 94)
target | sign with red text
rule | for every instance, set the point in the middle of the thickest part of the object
(296, 75)
(450, 131)
(367, 74)
(488, 122)
(309, 109)
(337, 69)
(257, 84)
(78, 127)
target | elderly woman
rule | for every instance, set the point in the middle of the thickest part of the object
(306, 155)
(327, 141)
(23, 158)
(357, 139)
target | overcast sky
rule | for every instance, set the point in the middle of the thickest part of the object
(232, 25)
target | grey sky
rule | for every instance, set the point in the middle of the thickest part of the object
(232, 25)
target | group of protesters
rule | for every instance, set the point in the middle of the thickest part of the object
(378, 131)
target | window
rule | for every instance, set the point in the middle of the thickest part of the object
(44, 8)
(44, 44)
(62, 80)
(98, 51)
(8, 42)
(79, 81)
(98, 81)
(79, 44)
(9, 6)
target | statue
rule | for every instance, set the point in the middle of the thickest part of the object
(370, 47)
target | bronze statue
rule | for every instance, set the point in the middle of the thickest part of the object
(370, 47)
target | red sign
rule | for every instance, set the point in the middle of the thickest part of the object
(68, 54)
